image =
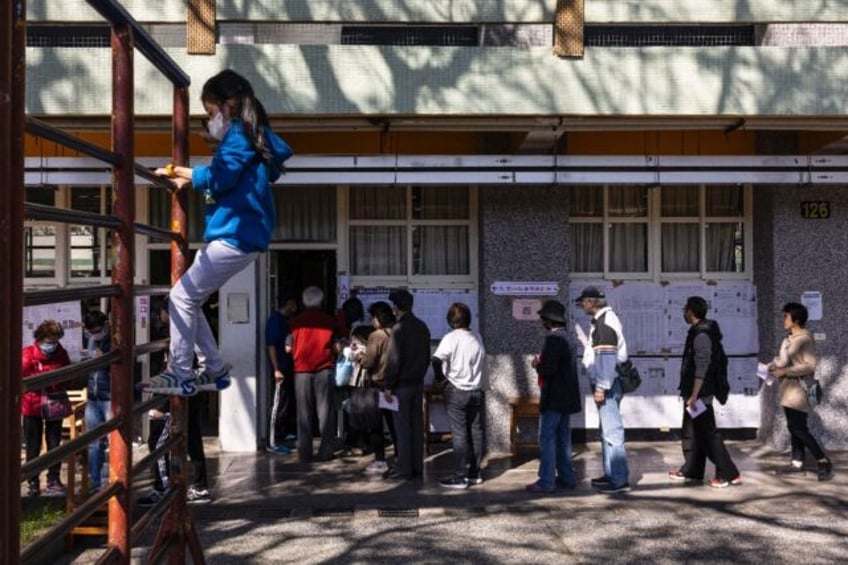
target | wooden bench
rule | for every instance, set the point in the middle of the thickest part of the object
(522, 407)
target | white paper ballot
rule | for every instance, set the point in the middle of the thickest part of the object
(383, 403)
(763, 373)
(698, 409)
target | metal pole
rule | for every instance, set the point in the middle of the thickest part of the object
(123, 339)
(12, 76)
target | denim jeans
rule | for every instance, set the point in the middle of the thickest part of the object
(213, 266)
(612, 436)
(555, 449)
(96, 412)
(465, 413)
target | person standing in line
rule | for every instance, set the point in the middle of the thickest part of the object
(283, 422)
(460, 359)
(41, 356)
(606, 348)
(312, 347)
(794, 364)
(240, 219)
(98, 404)
(408, 360)
(373, 361)
(559, 399)
(700, 437)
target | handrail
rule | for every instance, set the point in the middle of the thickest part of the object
(151, 290)
(40, 128)
(71, 447)
(147, 174)
(53, 295)
(116, 14)
(161, 233)
(69, 372)
(43, 212)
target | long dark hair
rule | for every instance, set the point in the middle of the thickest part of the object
(228, 85)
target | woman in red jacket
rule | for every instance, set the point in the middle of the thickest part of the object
(44, 354)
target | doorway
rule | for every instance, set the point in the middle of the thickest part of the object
(299, 268)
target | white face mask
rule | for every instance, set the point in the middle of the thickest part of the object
(217, 127)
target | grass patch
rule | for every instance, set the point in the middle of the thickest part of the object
(38, 515)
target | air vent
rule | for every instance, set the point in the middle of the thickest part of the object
(463, 36)
(669, 36)
(68, 36)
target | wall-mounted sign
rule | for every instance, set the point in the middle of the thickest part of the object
(812, 299)
(512, 288)
(817, 210)
(526, 308)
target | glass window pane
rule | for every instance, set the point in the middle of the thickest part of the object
(378, 250)
(725, 201)
(39, 251)
(725, 248)
(586, 202)
(679, 201)
(305, 214)
(440, 203)
(628, 248)
(680, 248)
(628, 201)
(85, 198)
(377, 203)
(587, 248)
(440, 250)
(41, 195)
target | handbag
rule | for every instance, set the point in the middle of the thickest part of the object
(363, 408)
(813, 390)
(628, 375)
(55, 405)
(344, 370)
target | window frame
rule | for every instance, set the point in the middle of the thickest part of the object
(655, 222)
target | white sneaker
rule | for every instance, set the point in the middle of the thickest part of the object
(377, 468)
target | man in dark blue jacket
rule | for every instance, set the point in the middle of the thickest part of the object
(98, 402)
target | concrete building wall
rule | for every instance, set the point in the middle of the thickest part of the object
(523, 237)
(806, 254)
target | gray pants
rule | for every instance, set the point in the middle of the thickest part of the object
(315, 393)
(409, 428)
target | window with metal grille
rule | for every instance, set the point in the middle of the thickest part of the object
(669, 36)
(68, 36)
(464, 36)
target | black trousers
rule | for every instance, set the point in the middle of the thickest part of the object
(283, 411)
(34, 427)
(159, 434)
(378, 438)
(701, 440)
(465, 413)
(801, 438)
(409, 429)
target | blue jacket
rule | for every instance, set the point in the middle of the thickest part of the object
(237, 185)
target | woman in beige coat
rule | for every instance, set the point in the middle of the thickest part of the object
(794, 367)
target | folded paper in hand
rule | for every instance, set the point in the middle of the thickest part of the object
(393, 405)
(698, 409)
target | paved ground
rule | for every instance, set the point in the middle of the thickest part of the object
(265, 510)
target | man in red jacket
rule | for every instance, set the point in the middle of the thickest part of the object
(43, 355)
(312, 347)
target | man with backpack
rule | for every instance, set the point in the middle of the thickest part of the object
(703, 377)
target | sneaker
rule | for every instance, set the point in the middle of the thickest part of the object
(54, 488)
(197, 495)
(473, 481)
(564, 485)
(676, 475)
(207, 381)
(791, 470)
(376, 468)
(278, 449)
(290, 437)
(169, 383)
(454, 482)
(722, 483)
(598, 482)
(150, 499)
(33, 490)
(614, 489)
(537, 488)
(825, 470)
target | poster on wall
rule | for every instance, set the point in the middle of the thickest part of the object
(430, 305)
(67, 314)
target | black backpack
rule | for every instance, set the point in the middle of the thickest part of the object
(719, 363)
